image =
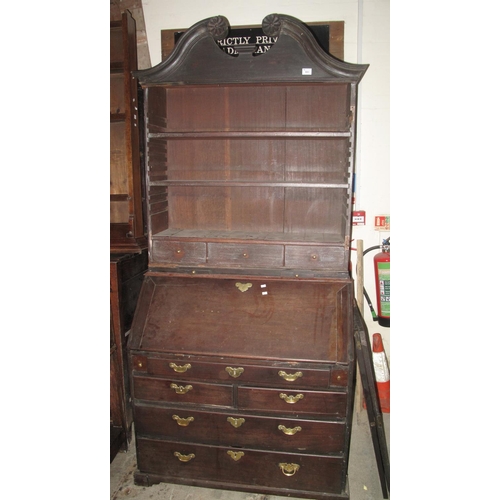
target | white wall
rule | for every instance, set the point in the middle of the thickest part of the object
(366, 41)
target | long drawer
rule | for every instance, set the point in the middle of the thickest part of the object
(241, 429)
(239, 466)
(241, 371)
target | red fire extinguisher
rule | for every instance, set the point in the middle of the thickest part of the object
(382, 262)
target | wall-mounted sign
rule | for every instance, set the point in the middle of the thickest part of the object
(329, 35)
(255, 37)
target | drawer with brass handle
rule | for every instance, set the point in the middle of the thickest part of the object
(327, 403)
(243, 371)
(157, 389)
(241, 429)
(212, 465)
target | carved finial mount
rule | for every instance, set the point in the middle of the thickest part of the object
(271, 25)
(218, 27)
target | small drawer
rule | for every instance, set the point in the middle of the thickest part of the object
(188, 368)
(241, 430)
(215, 465)
(289, 376)
(178, 391)
(178, 252)
(250, 255)
(297, 402)
(314, 257)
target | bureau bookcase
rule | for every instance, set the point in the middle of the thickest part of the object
(241, 352)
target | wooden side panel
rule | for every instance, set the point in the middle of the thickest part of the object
(118, 149)
(116, 46)
(141, 313)
(117, 93)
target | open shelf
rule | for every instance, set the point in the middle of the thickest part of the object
(242, 236)
(250, 175)
(247, 184)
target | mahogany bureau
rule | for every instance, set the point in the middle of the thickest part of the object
(241, 352)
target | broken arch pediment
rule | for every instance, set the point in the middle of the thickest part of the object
(285, 48)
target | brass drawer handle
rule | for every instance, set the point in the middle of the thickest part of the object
(234, 372)
(288, 431)
(180, 389)
(183, 422)
(236, 422)
(243, 287)
(289, 469)
(184, 458)
(180, 369)
(291, 399)
(235, 455)
(290, 377)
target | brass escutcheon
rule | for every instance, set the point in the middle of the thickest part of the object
(289, 469)
(236, 422)
(183, 422)
(180, 369)
(184, 458)
(290, 377)
(235, 455)
(234, 372)
(291, 399)
(180, 389)
(288, 431)
(243, 287)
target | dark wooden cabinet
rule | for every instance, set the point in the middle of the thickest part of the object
(126, 278)
(241, 350)
(128, 242)
(127, 222)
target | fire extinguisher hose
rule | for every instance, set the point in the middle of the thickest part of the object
(365, 293)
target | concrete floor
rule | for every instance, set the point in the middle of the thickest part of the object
(364, 483)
